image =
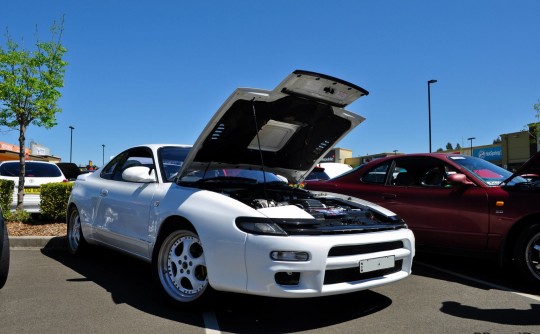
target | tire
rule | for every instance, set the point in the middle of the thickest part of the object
(179, 268)
(4, 252)
(75, 239)
(527, 253)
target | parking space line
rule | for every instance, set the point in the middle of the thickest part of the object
(210, 323)
(492, 285)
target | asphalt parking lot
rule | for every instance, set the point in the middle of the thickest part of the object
(49, 291)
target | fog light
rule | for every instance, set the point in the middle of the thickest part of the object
(289, 256)
(287, 278)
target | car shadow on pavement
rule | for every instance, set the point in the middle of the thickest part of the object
(479, 274)
(129, 281)
(505, 316)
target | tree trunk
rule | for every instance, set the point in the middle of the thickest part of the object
(22, 167)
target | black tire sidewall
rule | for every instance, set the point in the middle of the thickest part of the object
(4, 252)
(520, 257)
(82, 243)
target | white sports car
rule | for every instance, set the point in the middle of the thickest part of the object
(221, 215)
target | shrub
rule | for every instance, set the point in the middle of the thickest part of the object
(17, 216)
(6, 194)
(54, 198)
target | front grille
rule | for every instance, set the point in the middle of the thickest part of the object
(364, 249)
(354, 274)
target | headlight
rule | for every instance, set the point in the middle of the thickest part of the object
(261, 226)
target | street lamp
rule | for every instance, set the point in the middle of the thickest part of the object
(471, 139)
(429, 108)
(71, 143)
(103, 158)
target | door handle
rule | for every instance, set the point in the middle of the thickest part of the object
(104, 193)
(389, 196)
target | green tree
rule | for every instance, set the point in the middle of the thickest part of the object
(449, 146)
(29, 88)
(458, 147)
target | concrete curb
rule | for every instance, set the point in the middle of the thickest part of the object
(38, 242)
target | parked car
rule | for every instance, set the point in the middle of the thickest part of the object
(456, 202)
(327, 170)
(70, 170)
(36, 174)
(4, 251)
(220, 215)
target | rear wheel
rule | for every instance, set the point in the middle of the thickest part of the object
(179, 268)
(4, 252)
(75, 238)
(527, 253)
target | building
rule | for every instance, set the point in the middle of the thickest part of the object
(513, 150)
(36, 152)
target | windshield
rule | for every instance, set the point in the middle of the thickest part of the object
(490, 174)
(171, 159)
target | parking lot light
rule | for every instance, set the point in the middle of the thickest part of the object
(429, 109)
(471, 139)
(71, 142)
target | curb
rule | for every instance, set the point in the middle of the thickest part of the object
(38, 242)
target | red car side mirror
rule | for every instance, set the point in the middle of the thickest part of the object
(459, 178)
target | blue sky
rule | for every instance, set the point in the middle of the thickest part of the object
(156, 71)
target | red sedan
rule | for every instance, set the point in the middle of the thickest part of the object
(455, 202)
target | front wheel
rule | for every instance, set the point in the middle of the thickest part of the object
(527, 253)
(75, 238)
(179, 268)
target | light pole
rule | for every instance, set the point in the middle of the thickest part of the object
(103, 157)
(71, 142)
(429, 108)
(471, 139)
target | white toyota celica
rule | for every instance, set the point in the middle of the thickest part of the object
(221, 215)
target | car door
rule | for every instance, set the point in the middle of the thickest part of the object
(124, 207)
(439, 214)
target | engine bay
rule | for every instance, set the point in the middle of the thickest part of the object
(331, 214)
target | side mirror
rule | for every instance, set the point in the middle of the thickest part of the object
(139, 174)
(458, 179)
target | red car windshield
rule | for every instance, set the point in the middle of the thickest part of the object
(487, 172)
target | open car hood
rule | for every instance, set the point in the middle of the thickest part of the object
(285, 131)
(531, 166)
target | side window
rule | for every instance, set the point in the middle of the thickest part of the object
(402, 176)
(108, 170)
(133, 157)
(376, 175)
(434, 177)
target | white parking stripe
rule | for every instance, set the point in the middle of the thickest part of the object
(496, 286)
(210, 323)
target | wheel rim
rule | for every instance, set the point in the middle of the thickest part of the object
(182, 267)
(533, 255)
(74, 233)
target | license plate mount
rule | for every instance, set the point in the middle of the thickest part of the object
(378, 263)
